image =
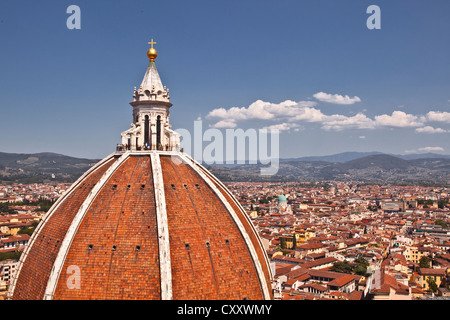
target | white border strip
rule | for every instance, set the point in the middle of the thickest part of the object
(163, 229)
(41, 225)
(65, 245)
(238, 222)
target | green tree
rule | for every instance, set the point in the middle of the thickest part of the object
(360, 270)
(15, 255)
(424, 262)
(362, 261)
(342, 267)
(361, 267)
(432, 284)
(442, 203)
(4, 207)
(45, 204)
(29, 231)
(441, 223)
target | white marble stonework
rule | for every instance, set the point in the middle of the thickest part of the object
(150, 129)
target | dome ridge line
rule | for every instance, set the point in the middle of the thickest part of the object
(163, 228)
(49, 214)
(190, 161)
(71, 232)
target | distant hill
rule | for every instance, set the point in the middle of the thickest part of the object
(382, 161)
(339, 157)
(41, 167)
(347, 156)
(370, 167)
(375, 168)
(424, 156)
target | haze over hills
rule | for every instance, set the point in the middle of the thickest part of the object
(374, 168)
(347, 156)
(339, 157)
(370, 167)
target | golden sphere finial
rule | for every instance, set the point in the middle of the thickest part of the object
(152, 53)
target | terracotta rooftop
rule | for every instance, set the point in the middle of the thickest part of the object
(109, 226)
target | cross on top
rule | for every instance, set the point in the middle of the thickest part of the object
(152, 42)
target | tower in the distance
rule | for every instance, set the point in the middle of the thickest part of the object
(146, 222)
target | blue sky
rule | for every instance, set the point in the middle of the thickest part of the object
(313, 67)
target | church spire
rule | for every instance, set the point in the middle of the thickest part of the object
(151, 88)
(150, 129)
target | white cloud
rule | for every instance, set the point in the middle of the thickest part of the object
(335, 98)
(438, 116)
(259, 110)
(426, 149)
(285, 126)
(223, 124)
(340, 122)
(254, 111)
(431, 149)
(429, 129)
(287, 113)
(399, 119)
(309, 115)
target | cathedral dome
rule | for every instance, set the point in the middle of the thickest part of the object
(145, 223)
